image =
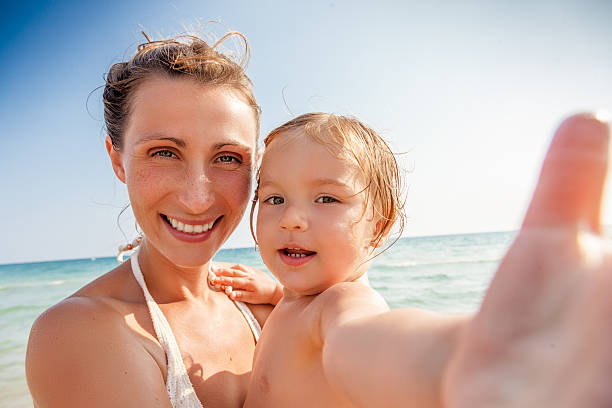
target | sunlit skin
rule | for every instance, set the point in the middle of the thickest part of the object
(189, 161)
(311, 200)
(311, 203)
(541, 337)
(188, 153)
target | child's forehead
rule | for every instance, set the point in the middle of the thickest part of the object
(298, 154)
(298, 142)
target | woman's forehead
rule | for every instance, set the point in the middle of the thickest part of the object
(185, 110)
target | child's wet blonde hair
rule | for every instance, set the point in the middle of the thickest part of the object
(350, 139)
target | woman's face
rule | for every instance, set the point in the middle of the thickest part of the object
(187, 160)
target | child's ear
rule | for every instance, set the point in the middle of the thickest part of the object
(116, 159)
(378, 229)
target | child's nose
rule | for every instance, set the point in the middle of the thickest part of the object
(293, 220)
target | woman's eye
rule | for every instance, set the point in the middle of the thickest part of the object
(326, 200)
(274, 200)
(164, 153)
(227, 158)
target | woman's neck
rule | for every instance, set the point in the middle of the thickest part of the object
(170, 283)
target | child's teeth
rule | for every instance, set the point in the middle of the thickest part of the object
(188, 228)
(180, 226)
(174, 223)
(198, 228)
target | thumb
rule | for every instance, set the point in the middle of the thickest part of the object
(570, 188)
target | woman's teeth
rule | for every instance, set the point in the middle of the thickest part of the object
(189, 228)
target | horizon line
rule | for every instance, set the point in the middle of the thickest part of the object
(249, 247)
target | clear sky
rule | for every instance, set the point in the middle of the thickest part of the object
(470, 90)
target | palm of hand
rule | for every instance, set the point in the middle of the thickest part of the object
(542, 336)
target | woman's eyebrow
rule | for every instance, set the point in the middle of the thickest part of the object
(176, 141)
(232, 143)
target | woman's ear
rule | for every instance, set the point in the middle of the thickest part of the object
(116, 159)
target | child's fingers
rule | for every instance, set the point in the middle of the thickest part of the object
(243, 296)
(570, 188)
(238, 283)
(239, 268)
(229, 271)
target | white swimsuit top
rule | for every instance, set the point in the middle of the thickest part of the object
(178, 385)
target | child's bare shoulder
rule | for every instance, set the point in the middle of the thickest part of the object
(347, 294)
(346, 301)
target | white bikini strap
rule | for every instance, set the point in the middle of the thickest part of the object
(180, 389)
(248, 315)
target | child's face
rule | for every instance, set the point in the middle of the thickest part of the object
(311, 226)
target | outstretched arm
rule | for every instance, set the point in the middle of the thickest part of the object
(381, 358)
(542, 336)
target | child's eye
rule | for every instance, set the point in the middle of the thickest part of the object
(274, 200)
(228, 158)
(326, 200)
(164, 153)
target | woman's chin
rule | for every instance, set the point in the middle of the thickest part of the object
(189, 261)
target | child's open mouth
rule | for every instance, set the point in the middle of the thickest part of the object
(296, 256)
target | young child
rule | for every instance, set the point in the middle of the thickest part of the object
(328, 197)
(328, 192)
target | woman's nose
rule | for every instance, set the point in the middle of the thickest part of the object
(293, 219)
(197, 193)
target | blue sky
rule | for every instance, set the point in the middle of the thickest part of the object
(471, 91)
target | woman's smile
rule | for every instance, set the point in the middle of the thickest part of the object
(191, 231)
(188, 163)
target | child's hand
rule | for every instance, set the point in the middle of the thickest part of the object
(248, 284)
(543, 336)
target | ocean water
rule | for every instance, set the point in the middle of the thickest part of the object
(442, 273)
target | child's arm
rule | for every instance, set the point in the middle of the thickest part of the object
(543, 333)
(545, 319)
(382, 358)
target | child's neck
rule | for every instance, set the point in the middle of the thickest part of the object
(289, 295)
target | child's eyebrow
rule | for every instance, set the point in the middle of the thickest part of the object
(316, 182)
(335, 182)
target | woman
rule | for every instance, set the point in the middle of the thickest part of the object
(182, 127)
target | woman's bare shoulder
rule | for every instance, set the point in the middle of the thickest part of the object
(94, 314)
(82, 348)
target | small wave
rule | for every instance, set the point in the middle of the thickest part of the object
(33, 284)
(410, 264)
(57, 282)
(19, 308)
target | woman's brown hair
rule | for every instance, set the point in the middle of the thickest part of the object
(184, 56)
